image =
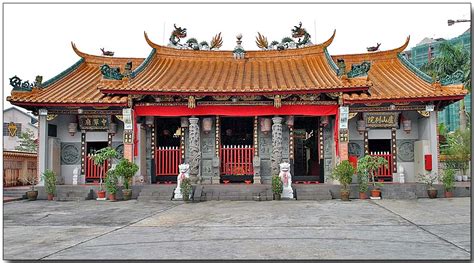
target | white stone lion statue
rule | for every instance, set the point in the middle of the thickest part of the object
(285, 177)
(183, 173)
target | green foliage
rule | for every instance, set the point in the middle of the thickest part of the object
(363, 181)
(186, 188)
(428, 179)
(127, 170)
(27, 142)
(104, 154)
(448, 179)
(111, 182)
(49, 178)
(459, 149)
(367, 165)
(343, 173)
(277, 185)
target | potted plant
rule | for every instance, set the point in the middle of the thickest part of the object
(32, 180)
(186, 188)
(126, 170)
(363, 182)
(277, 187)
(448, 182)
(111, 182)
(429, 179)
(49, 178)
(343, 173)
(366, 166)
(99, 158)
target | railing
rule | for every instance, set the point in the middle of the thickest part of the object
(94, 171)
(18, 163)
(167, 160)
(386, 170)
(237, 159)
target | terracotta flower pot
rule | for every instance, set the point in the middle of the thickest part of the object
(32, 195)
(448, 194)
(50, 197)
(432, 193)
(345, 195)
(112, 197)
(375, 193)
(127, 194)
(101, 194)
(362, 195)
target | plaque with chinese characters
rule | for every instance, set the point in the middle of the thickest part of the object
(94, 122)
(381, 119)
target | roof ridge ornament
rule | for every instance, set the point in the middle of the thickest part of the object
(239, 52)
(359, 70)
(19, 85)
(298, 32)
(192, 43)
(111, 73)
(455, 78)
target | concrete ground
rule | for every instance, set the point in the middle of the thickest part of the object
(359, 229)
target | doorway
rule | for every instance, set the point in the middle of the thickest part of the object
(236, 150)
(382, 148)
(308, 168)
(168, 154)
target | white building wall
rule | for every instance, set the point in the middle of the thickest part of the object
(17, 116)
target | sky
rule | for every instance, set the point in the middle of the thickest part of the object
(37, 37)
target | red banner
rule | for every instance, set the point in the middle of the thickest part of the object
(234, 110)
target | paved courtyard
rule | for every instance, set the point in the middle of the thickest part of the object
(360, 229)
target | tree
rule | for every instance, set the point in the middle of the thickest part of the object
(450, 59)
(27, 142)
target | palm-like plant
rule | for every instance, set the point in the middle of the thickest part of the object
(450, 59)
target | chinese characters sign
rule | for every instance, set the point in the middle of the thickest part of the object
(93, 122)
(381, 119)
(343, 117)
(127, 119)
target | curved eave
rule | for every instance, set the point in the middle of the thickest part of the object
(250, 54)
(103, 59)
(417, 99)
(392, 53)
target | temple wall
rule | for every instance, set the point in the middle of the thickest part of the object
(421, 130)
(70, 149)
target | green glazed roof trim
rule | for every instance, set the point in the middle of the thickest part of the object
(331, 62)
(62, 74)
(142, 66)
(414, 69)
(455, 78)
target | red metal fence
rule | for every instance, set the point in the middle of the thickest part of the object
(167, 160)
(237, 159)
(94, 171)
(386, 170)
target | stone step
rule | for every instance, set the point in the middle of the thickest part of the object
(65, 198)
(14, 194)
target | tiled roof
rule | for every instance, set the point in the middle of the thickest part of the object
(394, 78)
(177, 71)
(78, 85)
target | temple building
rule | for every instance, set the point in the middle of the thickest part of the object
(235, 115)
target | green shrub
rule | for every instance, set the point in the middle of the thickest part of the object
(448, 179)
(127, 170)
(186, 188)
(343, 173)
(367, 165)
(111, 182)
(49, 178)
(277, 185)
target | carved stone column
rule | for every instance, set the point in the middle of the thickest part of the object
(277, 149)
(194, 150)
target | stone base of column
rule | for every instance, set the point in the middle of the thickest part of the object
(215, 180)
(257, 179)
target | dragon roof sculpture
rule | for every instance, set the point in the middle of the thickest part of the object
(192, 43)
(298, 32)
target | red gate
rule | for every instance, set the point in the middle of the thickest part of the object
(167, 160)
(94, 171)
(384, 172)
(237, 159)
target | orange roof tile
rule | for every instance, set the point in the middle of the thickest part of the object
(76, 86)
(176, 71)
(392, 78)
